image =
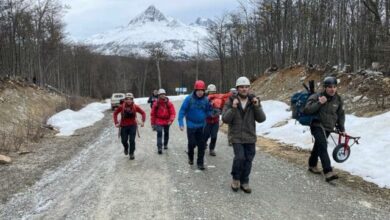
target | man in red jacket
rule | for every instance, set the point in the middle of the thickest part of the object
(217, 102)
(162, 115)
(128, 123)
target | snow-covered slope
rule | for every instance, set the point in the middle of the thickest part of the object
(178, 39)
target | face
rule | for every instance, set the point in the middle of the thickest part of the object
(128, 101)
(155, 92)
(243, 90)
(199, 93)
(331, 90)
(162, 96)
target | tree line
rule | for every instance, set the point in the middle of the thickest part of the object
(264, 33)
(260, 34)
(33, 46)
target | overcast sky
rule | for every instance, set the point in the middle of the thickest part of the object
(88, 17)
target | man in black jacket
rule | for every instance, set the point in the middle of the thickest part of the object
(153, 97)
(328, 108)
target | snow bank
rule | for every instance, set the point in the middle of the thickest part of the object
(68, 121)
(368, 160)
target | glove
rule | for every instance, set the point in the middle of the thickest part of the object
(154, 127)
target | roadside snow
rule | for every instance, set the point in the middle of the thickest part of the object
(368, 160)
(68, 121)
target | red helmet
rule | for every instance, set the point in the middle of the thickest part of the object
(200, 85)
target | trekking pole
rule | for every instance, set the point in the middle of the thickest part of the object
(137, 128)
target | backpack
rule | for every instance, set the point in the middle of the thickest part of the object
(128, 114)
(158, 106)
(298, 103)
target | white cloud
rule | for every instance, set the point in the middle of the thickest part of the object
(88, 17)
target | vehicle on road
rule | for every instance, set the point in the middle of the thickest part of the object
(116, 100)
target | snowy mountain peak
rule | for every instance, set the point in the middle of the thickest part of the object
(151, 14)
(148, 28)
(205, 22)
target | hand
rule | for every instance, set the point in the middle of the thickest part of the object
(342, 133)
(322, 99)
(181, 128)
(235, 103)
(117, 125)
(256, 101)
(153, 127)
(170, 122)
(142, 124)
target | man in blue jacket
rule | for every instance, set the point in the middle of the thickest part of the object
(195, 109)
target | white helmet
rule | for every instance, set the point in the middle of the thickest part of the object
(129, 95)
(211, 88)
(243, 81)
(161, 91)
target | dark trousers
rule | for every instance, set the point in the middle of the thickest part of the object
(196, 139)
(128, 136)
(242, 162)
(160, 129)
(211, 130)
(320, 149)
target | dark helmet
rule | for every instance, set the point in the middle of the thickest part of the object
(330, 81)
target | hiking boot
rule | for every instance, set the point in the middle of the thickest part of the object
(314, 170)
(132, 157)
(165, 147)
(245, 187)
(126, 152)
(235, 185)
(212, 153)
(331, 176)
(191, 162)
(159, 151)
(201, 167)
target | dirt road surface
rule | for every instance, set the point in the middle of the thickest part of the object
(100, 182)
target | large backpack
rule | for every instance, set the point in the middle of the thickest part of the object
(298, 103)
(158, 106)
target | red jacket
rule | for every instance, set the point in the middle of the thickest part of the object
(217, 102)
(163, 112)
(132, 118)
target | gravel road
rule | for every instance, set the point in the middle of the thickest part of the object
(100, 182)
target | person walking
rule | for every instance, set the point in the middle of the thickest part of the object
(128, 123)
(328, 108)
(195, 109)
(241, 113)
(162, 115)
(153, 98)
(211, 129)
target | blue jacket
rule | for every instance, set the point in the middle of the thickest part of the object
(195, 110)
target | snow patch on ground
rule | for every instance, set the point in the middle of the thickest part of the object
(68, 121)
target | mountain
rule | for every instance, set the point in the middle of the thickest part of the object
(151, 27)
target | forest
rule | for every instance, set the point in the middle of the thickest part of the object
(259, 34)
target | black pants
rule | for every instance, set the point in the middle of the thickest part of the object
(320, 149)
(242, 162)
(128, 136)
(160, 129)
(211, 130)
(195, 138)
